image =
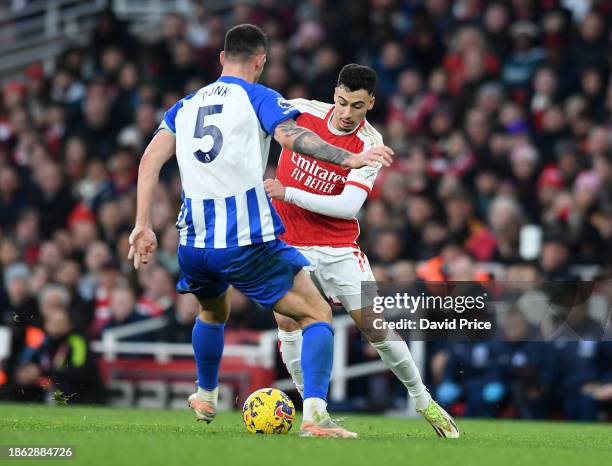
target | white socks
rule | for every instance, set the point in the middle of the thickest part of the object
(393, 351)
(395, 354)
(291, 353)
(211, 396)
(315, 410)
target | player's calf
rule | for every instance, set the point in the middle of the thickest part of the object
(208, 342)
(394, 352)
(304, 304)
(363, 319)
(290, 346)
(216, 310)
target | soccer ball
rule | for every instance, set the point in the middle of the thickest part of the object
(268, 411)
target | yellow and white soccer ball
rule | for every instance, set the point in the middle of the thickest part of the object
(268, 411)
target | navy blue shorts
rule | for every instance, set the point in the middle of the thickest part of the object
(264, 272)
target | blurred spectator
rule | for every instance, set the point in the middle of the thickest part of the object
(474, 373)
(111, 31)
(54, 200)
(506, 219)
(12, 197)
(554, 258)
(56, 364)
(389, 65)
(81, 310)
(123, 311)
(411, 105)
(94, 121)
(496, 21)
(18, 307)
(468, 59)
(524, 60)
(159, 292)
(590, 47)
(180, 319)
(166, 254)
(529, 364)
(577, 370)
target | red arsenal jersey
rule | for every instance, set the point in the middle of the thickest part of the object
(306, 228)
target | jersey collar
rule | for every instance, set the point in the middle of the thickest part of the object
(232, 80)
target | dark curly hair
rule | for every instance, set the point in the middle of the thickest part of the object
(355, 77)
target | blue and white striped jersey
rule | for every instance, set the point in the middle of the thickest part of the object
(222, 141)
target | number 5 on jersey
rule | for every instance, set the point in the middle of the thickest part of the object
(213, 131)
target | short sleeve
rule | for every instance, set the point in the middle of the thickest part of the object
(363, 177)
(271, 107)
(169, 120)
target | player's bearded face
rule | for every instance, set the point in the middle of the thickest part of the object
(351, 107)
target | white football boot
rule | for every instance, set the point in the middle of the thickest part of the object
(204, 404)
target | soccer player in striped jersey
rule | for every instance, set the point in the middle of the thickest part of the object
(317, 202)
(229, 230)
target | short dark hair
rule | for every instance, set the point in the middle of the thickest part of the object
(244, 41)
(355, 77)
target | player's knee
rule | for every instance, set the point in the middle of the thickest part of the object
(215, 310)
(373, 335)
(364, 321)
(214, 317)
(286, 324)
(320, 310)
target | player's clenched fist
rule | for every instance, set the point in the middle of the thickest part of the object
(143, 243)
(372, 157)
(274, 189)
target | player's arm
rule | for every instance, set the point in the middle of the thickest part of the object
(302, 140)
(344, 205)
(142, 239)
(276, 116)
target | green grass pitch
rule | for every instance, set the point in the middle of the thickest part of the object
(116, 437)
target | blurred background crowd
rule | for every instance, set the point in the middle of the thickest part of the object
(499, 113)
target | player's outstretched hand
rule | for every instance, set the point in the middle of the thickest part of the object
(373, 157)
(142, 245)
(275, 189)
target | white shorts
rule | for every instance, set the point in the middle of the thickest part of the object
(339, 273)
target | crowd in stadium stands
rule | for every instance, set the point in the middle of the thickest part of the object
(499, 114)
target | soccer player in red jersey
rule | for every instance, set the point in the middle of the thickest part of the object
(318, 202)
